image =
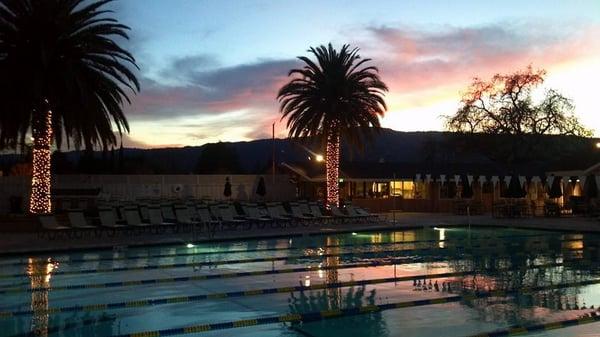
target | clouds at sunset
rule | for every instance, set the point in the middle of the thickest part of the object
(413, 60)
(198, 100)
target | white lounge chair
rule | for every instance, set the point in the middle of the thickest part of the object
(156, 218)
(52, 228)
(108, 218)
(227, 218)
(132, 217)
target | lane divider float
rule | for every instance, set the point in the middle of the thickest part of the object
(237, 251)
(246, 293)
(347, 312)
(454, 249)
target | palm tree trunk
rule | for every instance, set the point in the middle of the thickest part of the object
(332, 165)
(39, 202)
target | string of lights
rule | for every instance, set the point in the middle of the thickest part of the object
(332, 167)
(40, 202)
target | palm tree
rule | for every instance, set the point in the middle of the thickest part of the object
(334, 97)
(63, 75)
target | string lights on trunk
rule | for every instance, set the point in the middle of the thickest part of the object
(332, 164)
(40, 201)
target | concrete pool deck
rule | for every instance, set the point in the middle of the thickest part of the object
(23, 243)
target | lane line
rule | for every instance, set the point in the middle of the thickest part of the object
(255, 292)
(138, 257)
(453, 249)
(354, 311)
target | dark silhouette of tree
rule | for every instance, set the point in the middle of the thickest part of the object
(63, 75)
(218, 158)
(504, 105)
(335, 96)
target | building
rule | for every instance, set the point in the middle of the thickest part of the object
(413, 188)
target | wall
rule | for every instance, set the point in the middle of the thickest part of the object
(131, 187)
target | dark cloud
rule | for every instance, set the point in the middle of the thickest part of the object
(410, 60)
(210, 92)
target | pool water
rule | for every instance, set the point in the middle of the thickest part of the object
(422, 282)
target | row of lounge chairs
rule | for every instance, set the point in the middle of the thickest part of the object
(191, 217)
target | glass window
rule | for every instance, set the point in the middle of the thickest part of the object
(403, 188)
(381, 190)
(421, 191)
(360, 189)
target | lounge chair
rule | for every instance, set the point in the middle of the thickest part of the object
(132, 217)
(144, 213)
(108, 218)
(185, 218)
(315, 210)
(52, 228)
(192, 211)
(299, 215)
(228, 218)
(207, 219)
(253, 214)
(278, 214)
(77, 220)
(167, 212)
(353, 212)
(339, 215)
(156, 218)
(304, 208)
(365, 213)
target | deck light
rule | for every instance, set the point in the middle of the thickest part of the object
(319, 158)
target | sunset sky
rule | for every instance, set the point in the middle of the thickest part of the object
(210, 70)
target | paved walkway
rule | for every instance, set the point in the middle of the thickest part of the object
(14, 243)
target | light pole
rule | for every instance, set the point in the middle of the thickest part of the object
(273, 156)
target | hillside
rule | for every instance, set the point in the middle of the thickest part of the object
(388, 147)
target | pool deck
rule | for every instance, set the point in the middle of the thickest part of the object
(21, 243)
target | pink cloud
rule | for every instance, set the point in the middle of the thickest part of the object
(412, 60)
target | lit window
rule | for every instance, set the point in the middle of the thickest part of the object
(403, 188)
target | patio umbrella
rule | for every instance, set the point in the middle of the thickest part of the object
(261, 189)
(555, 190)
(227, 190)
(515, 190)
(467, 192)
(590, 190)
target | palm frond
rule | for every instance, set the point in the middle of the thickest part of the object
(336, 93)
(65, 52)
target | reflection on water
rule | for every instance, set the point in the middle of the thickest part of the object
(333, 295)
(442, 237)
(496, 264)
(527, 307)
(40, 273)
(367, 325)
(492, 263)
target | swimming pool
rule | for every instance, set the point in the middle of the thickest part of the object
(422, 282)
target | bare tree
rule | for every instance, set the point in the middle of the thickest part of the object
(504, 105)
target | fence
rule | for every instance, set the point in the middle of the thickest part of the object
(131, 187)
